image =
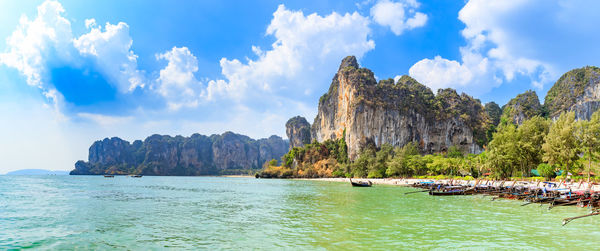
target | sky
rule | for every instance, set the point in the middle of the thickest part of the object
(72, 72)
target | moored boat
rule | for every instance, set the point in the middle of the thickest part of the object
(451, 192)
(361, 183)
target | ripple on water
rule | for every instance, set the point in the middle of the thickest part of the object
(64, 212)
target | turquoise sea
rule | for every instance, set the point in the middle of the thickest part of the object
(93, 212)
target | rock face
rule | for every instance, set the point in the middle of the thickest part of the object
(194, 155)
(363, 111)
(577, 90)
(298, 131)
(523, 107)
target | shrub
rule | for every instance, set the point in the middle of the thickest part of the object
(338, 173)
(546, 171)
(273, 162)
(375, 174)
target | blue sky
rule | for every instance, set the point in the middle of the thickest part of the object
(72, 72)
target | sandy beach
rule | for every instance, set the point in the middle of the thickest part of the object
(575, 186)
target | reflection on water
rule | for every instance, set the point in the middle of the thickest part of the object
(91, 212)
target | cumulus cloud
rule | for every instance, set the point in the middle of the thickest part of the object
(39, 46)
(177, 82)
(111, 51)
(307, 49)
(33, 41)
(399, 16)
(306, 52)
(438, 72)
(535, 39)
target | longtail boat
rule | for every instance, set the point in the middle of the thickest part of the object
(361, 183)
(452, 190)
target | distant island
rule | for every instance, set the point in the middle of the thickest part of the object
(225, 154)
(37, 172)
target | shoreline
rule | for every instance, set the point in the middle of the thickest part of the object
(408, 182)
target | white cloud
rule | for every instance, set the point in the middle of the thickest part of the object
(111, 51)
(177, 82)
(90, 23)
(440, 71)
(37, 45)
(33, 41)
(307, 50)
(399, 16)
(536, 39)
(105, 120)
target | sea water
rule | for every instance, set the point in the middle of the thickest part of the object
(93, 212)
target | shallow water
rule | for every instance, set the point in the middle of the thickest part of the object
(93, 212)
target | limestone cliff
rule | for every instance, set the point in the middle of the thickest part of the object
(194, 155)
(397, 113)
(577, 90)
(523, 107)
(298, 131)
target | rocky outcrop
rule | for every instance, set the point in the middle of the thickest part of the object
(577, 90)
(364, 111)
(194, 155)
(523, 107)
(494, 112)
(298, 131)
(272, 148)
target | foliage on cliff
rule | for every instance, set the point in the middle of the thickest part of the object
(569, 87)
(522, 107)
(311, 161)
(494, 112)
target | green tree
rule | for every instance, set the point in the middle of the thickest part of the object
(397, 165)
(361, 165)
(342, 149)
(479, 163)
(503, 154)
(561, 146)
(470, 165)
(378, 168)
(454, 152)
(588, 134)
(416, 164)
(273, 162)
(436, 165)
(546, 170)
(531, 135)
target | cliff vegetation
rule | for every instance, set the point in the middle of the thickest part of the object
(570, 88)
